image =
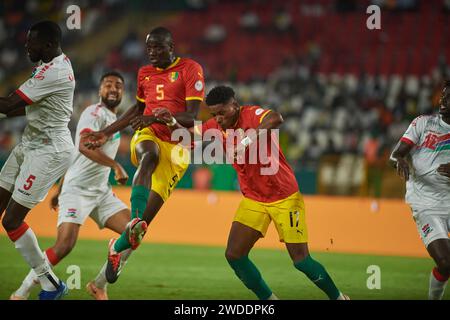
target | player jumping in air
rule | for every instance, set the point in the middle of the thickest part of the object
(86, 192)
(46, 149)
(427, 145)
(176, 84)
(273, 196)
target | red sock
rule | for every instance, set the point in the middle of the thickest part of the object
(439, 276)
(52, 257)
(17, 233)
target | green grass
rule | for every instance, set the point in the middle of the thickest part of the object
(163, 271)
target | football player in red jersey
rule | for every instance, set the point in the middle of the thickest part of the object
(176, 84)
(268, 195)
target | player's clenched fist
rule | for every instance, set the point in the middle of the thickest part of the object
(444, 169)
(163, 114)
(93, 140)
(403, 168)
(120, 175)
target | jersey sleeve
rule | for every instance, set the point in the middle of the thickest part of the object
(91, 120)
(414, 132)
(201, 128)
(140, 95)
(257, 114)
(39, 86)
(194, 82)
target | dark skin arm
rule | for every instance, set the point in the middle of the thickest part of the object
(398, 159)
(93, 140)
(16, 112)
(271, 121)
(186, 119)
(11, 104)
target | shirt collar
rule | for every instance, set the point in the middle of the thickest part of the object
(171, 65)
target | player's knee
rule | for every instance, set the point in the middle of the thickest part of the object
(63, 249)
(232, 255)
(149, 159)
(10, 222)
(443, 265)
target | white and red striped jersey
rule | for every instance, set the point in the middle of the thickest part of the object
(49, 94)
(426, 188)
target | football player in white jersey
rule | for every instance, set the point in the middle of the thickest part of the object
(85, 190)
(46, 149)
(422, 157)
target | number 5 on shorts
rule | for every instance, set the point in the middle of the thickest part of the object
(29, 182)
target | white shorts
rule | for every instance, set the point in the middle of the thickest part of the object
(30, 173)
(432, 224)
(75, 208)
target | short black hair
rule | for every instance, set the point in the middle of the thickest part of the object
(112, 73)
(48, 31)
(161, 32)
(219, 94)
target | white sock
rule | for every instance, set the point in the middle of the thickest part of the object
(100, 280)
(30, 281)
(342, 297)
(28, 247)
(436, 289)
(273, 297)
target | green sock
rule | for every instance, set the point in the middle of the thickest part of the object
(139, 197)
(317, 274)
(251, 277)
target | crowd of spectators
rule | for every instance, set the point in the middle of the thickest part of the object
(325, 114)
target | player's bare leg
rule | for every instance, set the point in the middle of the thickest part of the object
(148, 156)
(299, 254)
(240, 241)
(5, 196)
(26, 243)
(118, 223)
(439, 250)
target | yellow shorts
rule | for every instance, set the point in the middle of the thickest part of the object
(173, 162)
(288, 215)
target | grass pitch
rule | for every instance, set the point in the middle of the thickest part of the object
(163, 271)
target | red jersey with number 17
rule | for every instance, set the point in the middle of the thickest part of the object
(275, 185)
(169, 88)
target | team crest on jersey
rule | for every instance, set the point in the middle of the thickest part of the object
(436, 142)
(71, 213)
(173, 76)
(426, 229)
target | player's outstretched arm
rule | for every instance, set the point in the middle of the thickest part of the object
(125, 119)
(12, 105)
(398, 159)
(96, 139)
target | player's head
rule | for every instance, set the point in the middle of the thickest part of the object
(111, 89)
(43, 40)
(223, 106)
(160, 46)
(444, 102)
